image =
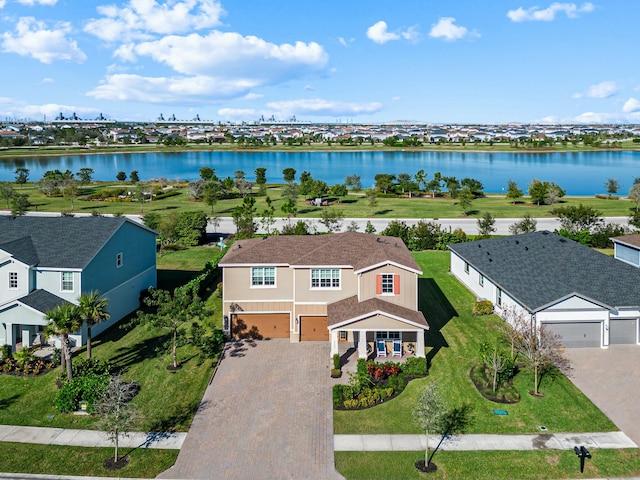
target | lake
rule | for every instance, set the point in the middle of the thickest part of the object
(580, 173)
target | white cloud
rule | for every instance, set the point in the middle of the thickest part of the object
(379, 33)
(396, 98)
(231, 55)
(252, 96)
(38, 2)
(3, 3)
(309, 88)
(447, 30)
(571, 10)
(631, 105)
(318, 106)
(138, 19)
(637, 89)
(342, 41)
(131, 87)
(47, 80)
(33, 38)
(599, 90)
(10, 107)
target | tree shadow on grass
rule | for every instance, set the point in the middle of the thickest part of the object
(438, 311)
(171, 279)
(149, 348)
(7, 402)
(182, 415)
(383, 212)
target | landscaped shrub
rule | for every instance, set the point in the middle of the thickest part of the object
(5, 351)
(415, 367)
(336, 373)
(482, 307)
(93, 366)
(336, 362)
(86, 388)
(505, 393)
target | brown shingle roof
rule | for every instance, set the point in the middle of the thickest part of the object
(359, 250)
(633, 239)
(350, 308)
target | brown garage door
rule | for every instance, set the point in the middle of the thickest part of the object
(260, 325)
(313, 328)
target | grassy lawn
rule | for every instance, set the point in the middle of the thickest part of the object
(489, 465)
(355, 205)
(167, 400)
(453, 346)
(62, 460)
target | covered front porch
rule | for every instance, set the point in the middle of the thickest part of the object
(376, 329)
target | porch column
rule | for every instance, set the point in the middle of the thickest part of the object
(362, 344)
(420, 344)
(9, 333)
(26, 336)
(334, 342)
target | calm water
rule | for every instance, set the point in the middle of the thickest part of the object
(582, 173)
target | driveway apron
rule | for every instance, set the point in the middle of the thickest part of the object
(611, 380)
(266, 415)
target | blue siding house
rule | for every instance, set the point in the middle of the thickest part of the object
(46, 261)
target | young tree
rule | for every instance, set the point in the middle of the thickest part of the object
(369, 228)
(486, 225)
(22, 175)
(267, 221)
(93, 310)
(537, 191)
(85, 175)
(513, 192)
(332, 219)
(465, 200)
(7, 192)
(243, 216)
(211, 193)
(116, 413)
(372, 199)
(152, 220)
(173, 311)
(634, 195)
(289, 209)
(207, 173)
(428, 414)
(261, 179)
(289, 174)
(19, 204)
(133, 177)
(353, 226)
(63, 321)
(353, 182)
(421, 179)
(612, 185)
(121, 176)
(526, 225)
(578, 218)
(70, 190)
(435, 185)
(474, 185)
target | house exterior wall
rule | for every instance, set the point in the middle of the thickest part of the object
(378, 322)
(408, 296)
(51, 281)
(304, 292)
(24, 279)
(237, 285)
(626, 254)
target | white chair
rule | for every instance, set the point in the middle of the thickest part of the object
(397, 348)
(381, 348)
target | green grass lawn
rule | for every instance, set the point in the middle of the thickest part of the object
(62, 460)
(489, 465)
(355, 205)
(453, 343)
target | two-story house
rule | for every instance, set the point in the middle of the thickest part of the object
(345, 287)
(46, 261)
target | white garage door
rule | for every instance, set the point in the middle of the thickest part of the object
(623, 331)
(577, 334)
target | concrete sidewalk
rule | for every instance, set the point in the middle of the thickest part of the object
(543, 441)
(89, 438)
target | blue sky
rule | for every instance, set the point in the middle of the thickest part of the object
(465, 61)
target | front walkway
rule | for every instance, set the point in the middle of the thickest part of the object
(267, 414)
(543, 441)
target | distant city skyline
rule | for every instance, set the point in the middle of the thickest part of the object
(469, 61)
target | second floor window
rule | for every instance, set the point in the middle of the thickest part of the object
(13, 279)
(263, 276)
(387, 283)
(67, 282)
(325, 278)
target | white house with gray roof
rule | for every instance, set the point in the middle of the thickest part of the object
(46, 261)
(588, 298)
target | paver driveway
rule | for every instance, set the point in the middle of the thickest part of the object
(266, 415)
(611, 380)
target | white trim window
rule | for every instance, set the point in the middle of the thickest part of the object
(66, 281)
(325, 278)
(499, 297)
(466, 267)
(119, 260)
(13, 280)
(387, 283)
(387, 335)
(481, 280)
(263, 276)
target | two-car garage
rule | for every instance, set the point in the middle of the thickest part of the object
(277, 325)
(590, 334)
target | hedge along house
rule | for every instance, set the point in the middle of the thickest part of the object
(586, 297)
(345, 287)
(47, 261)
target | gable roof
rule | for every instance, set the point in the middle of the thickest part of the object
(350, 308)
(631, 240)
(358, 250)
(540, 268)
(58, 242)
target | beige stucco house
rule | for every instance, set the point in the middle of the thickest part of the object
(346, 287)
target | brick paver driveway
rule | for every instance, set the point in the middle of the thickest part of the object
(266, 415)
(611, 380)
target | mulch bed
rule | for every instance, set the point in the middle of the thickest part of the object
(112, 464)
(431, 468)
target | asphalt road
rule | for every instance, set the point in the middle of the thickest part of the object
(226, 227)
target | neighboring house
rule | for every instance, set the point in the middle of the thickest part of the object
(344, 287)
(627, 249)
(588, 298)
(46, 261)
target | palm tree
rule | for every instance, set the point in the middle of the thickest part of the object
(93, 310)
(63, 320)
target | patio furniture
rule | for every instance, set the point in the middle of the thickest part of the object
(381, 348)
(397, 348)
